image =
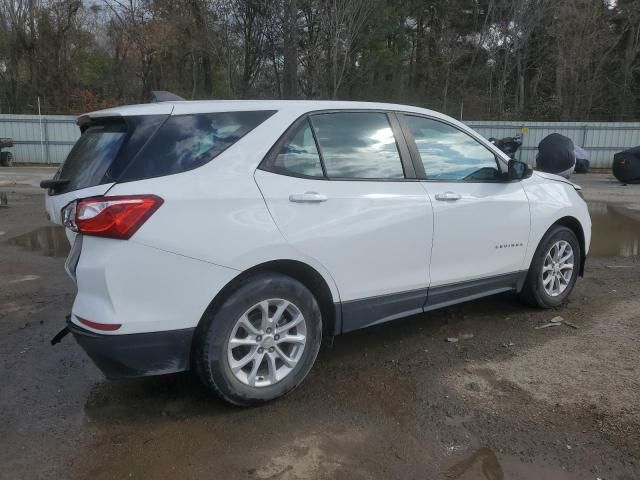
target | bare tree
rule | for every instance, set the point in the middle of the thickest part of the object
(342, 22)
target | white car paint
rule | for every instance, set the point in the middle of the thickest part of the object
(551, 198)
(484, 233)
(368, 239)
(363, 229)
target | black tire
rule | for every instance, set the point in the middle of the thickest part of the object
(533, 292)
(213, 335)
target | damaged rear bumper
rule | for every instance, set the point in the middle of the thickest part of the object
(136, 354)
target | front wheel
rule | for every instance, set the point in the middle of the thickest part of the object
(554, 269)
(261, 343)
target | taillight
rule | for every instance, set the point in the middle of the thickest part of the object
(113, 217)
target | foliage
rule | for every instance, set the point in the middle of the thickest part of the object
(490, 59)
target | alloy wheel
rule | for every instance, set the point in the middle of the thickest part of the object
(557, 268)
(267, 342)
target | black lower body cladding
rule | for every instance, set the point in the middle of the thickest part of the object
(137, 354)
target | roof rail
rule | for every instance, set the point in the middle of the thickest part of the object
(164, 96)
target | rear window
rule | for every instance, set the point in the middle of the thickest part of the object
(92, 155)
(134, 148)
(186, 142)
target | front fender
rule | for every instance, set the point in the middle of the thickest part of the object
(552, 202)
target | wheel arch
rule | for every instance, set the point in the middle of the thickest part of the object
(300, 271)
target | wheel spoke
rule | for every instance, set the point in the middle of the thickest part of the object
(292, 339)
(246, 324)
(546, 281)
(264, 310)
(289, 325)
(288, 361)
(273, 371)
(561, 249)
(237, 365)
(238, 342)
(566, 266)
(280, 310)
(254, 370)
(566, 257)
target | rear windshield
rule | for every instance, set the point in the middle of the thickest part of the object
(136, 148)
(92, 155)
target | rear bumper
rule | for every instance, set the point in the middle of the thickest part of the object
(137, 354)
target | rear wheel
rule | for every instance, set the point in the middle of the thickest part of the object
(554, 269)
(261, 343)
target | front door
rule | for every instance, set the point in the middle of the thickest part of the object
(337, 189)
(481, 220)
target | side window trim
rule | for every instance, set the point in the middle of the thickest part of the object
(415, 154)
(315, 139)
(402, 143)
(403, 146)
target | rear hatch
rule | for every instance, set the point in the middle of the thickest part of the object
(106, 147)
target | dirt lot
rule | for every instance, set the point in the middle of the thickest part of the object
(394, 401)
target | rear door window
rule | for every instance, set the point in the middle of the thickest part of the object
(299, 155)
(357, 145)
(186, 142)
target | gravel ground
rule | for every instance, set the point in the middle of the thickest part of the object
(393, 401)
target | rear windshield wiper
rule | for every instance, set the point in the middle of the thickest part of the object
(54, 183)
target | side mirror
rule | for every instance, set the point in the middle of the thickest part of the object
(518, 170)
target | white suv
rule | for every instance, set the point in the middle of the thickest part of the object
(232, 235)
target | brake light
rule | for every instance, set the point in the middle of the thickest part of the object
(113, 217)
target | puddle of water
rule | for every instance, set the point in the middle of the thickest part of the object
(50, 241)
(614, 232)
(483, 464)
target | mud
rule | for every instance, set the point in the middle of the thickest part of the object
(393, 401)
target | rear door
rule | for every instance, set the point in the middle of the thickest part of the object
(481, 220)
(342, 189)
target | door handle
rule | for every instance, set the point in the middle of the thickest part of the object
(448, 196)
(307, 197)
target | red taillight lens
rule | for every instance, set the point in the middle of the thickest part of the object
(114, 217)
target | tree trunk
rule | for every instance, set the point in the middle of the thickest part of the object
(290, 80)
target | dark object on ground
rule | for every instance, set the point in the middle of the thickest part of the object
(556, 155)
(582, 162)
(508, 145)
(6, 158)
(626, 165)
